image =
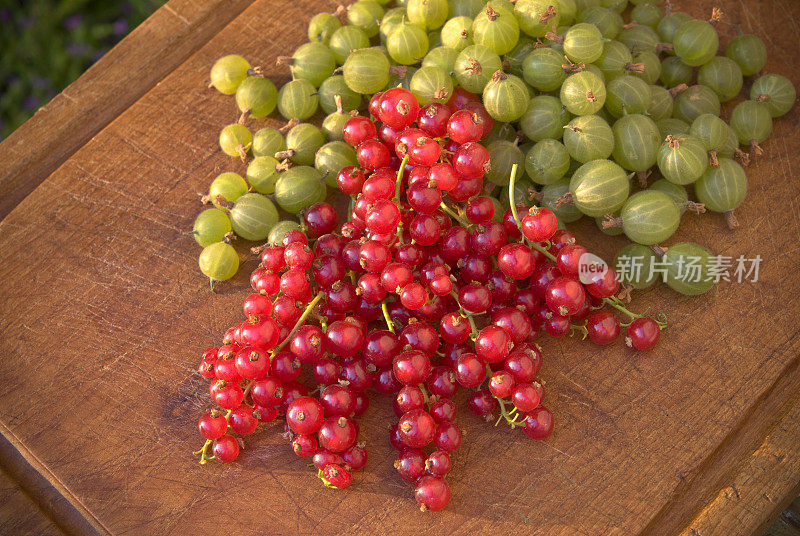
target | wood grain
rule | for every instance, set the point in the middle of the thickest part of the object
(19, 514)
(105, 315)
(108, 87)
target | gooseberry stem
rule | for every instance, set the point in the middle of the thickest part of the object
(453, 214)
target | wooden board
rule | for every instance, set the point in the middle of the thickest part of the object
(104, 315)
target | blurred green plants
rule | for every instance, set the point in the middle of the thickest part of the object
(46, 44)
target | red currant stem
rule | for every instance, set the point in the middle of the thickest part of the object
(299, 322)
(425, 396)
(580, 328)
(453, 214)
(512, 203)
(509, 416)
(398, 183)
(389, 323)
(203, 452)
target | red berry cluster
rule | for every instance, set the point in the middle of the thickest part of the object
(422, 291)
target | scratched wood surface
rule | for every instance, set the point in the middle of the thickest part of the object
(104, 314)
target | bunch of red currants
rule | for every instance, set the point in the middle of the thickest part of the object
(423, 290)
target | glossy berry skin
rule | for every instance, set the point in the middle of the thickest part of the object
(383, 217)
(470, 370)
(481, 403)
(380, 347)
(643, 334)
(304, 445)
(323, 457)
(355, 457)
(501, 384)
(432, 493)
(320, 219)
(444, 175)
(410, 464)
(337, 476)
(304, 415)
(539, 224)
(568, 259)
(447, 437)
(350, 180)
(516, 261)
(454, 328)
(256, 306)
(538, 423)
(413, 296)
(416, 428)
(371, 154)
(343, 338)
(557, 325)
(212, 425)
(515, 322)
(471, 160)
(243, 420)
(398, 108)
(337, 434)
(408, 398)
(267, 391)
(433, 119)
(603, 327)
(525, 397)
(565, 295)
(326, 371)
(307, 344)
(480, 210)
(475, 298)
(411, 367)
(464, 126)
(226, 449)
(603, 285)
(438, 463)
(337, 400)
(493, 344)
(227, 395)
(523, 365)
(443, 410)
(442, 382)
(358, 129)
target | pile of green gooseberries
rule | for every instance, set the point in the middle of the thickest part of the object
(582, 100)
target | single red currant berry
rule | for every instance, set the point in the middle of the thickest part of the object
(380, 347)
(413, 296)
(565, 295)
(603, 284)
(442, 382)
(350, 180)
(227, 395)
(411, 367)
(372, 154)
(476, 107)
(443, 410)
(252, 363)
(444, 175)
(525, 397)
(471, 160)
(373, 107)
(516, 261)
(355, 457)
(557, 325)
(304, 445)
(603, 327)
(441, 285)
(524, 365)
(493, 344)
(344, 338)
(470, 370)
(212, 425)
(410, 464)
(398, 108)
(337, 476)
(539, 224)
(454, 328)
(433, 119)
(568, 259)
(432, 493)
(304, 415)
(481, 403)
(337, 434)
(323, 457)
(538, 423)
(226, 449)
(255, 306)
(447, 437)
(267, 392)
(243, 420)
(643, 334)
(475, 298)
(480, 210)
(465, 126)
(417, 428)
(358, 129)
(501, 384)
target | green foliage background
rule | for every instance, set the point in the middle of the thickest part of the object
(46, 44)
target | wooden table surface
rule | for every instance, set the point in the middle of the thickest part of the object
(103, 315)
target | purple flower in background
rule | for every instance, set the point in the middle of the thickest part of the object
(72, 22)
(5, 15)
(31, 102)
(25, 22)
(40, 82)
(119, 27)
(77, 49)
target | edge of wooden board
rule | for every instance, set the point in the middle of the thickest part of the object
(141, 60)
